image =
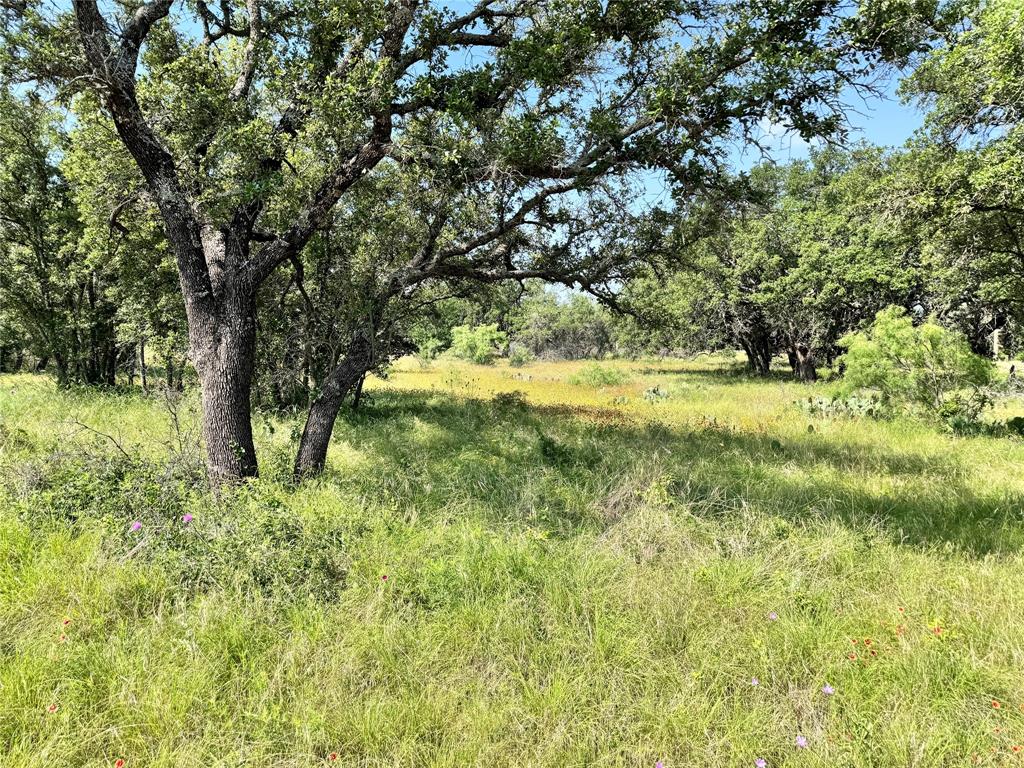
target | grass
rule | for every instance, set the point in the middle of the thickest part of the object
(577, 575)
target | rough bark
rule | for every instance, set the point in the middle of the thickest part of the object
(323, 411)
(224, 355)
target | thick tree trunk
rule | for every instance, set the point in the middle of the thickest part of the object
(224, 353)
(323, 412)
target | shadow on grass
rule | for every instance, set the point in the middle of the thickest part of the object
(739, 374)
(557, 467)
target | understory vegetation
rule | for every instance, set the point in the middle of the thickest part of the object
(503, 567)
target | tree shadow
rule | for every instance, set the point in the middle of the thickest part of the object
(557, 467)
(739, 374)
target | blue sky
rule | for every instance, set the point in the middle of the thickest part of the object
(884, 121)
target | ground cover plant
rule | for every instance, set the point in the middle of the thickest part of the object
(502, 567)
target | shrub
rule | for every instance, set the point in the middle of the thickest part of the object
(428, 350)
(479, 344)
(596, 375)
(926, 368)
(519, 357)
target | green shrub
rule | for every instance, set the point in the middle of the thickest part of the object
(519, 357)
(924, 368)
(596, 375)
(479, 344)
(428, 350)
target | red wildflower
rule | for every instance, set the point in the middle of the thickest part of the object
(874, 652)
(1016, 747)
(867, 641)
(853, 640)
(937, 630)
(384, 577)
(901, 609)
(996, 704)
(52, 708)
(851, 656)
(66, 622)
(334, 755)
(119, 763)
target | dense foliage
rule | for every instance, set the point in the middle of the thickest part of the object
(924, 366)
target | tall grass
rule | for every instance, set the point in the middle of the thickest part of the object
(574, 576)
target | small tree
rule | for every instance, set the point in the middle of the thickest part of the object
(926, 367)
(479, 344)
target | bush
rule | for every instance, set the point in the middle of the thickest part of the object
(428, 350)
(519, 357)
(480, 344)
(924, 368)
(595, 375)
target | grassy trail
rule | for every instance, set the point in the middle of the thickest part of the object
(684, 567)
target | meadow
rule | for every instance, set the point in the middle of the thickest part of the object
(657, 562)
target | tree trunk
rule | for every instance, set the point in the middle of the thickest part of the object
(142, 365)
(323, 412)
(759, 354)
(224, 354)
(805, 366)
(357, 397)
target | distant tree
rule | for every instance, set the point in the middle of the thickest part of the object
(809, 253)
(962, 182)
(54, 297)
(567, 328)
(478, 344)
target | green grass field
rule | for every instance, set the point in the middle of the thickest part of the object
(683, 567)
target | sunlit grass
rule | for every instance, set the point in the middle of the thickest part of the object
(585, 578)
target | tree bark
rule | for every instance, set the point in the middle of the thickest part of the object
(759, 354)
(323, 412)
(224, 353)
(357, 396)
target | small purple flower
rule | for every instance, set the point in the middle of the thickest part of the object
(754, 681)
(773, 616)
(135, 526)
(186, 518)
(827, 689)
(801, 742)
(761, 763)
(659, 764)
